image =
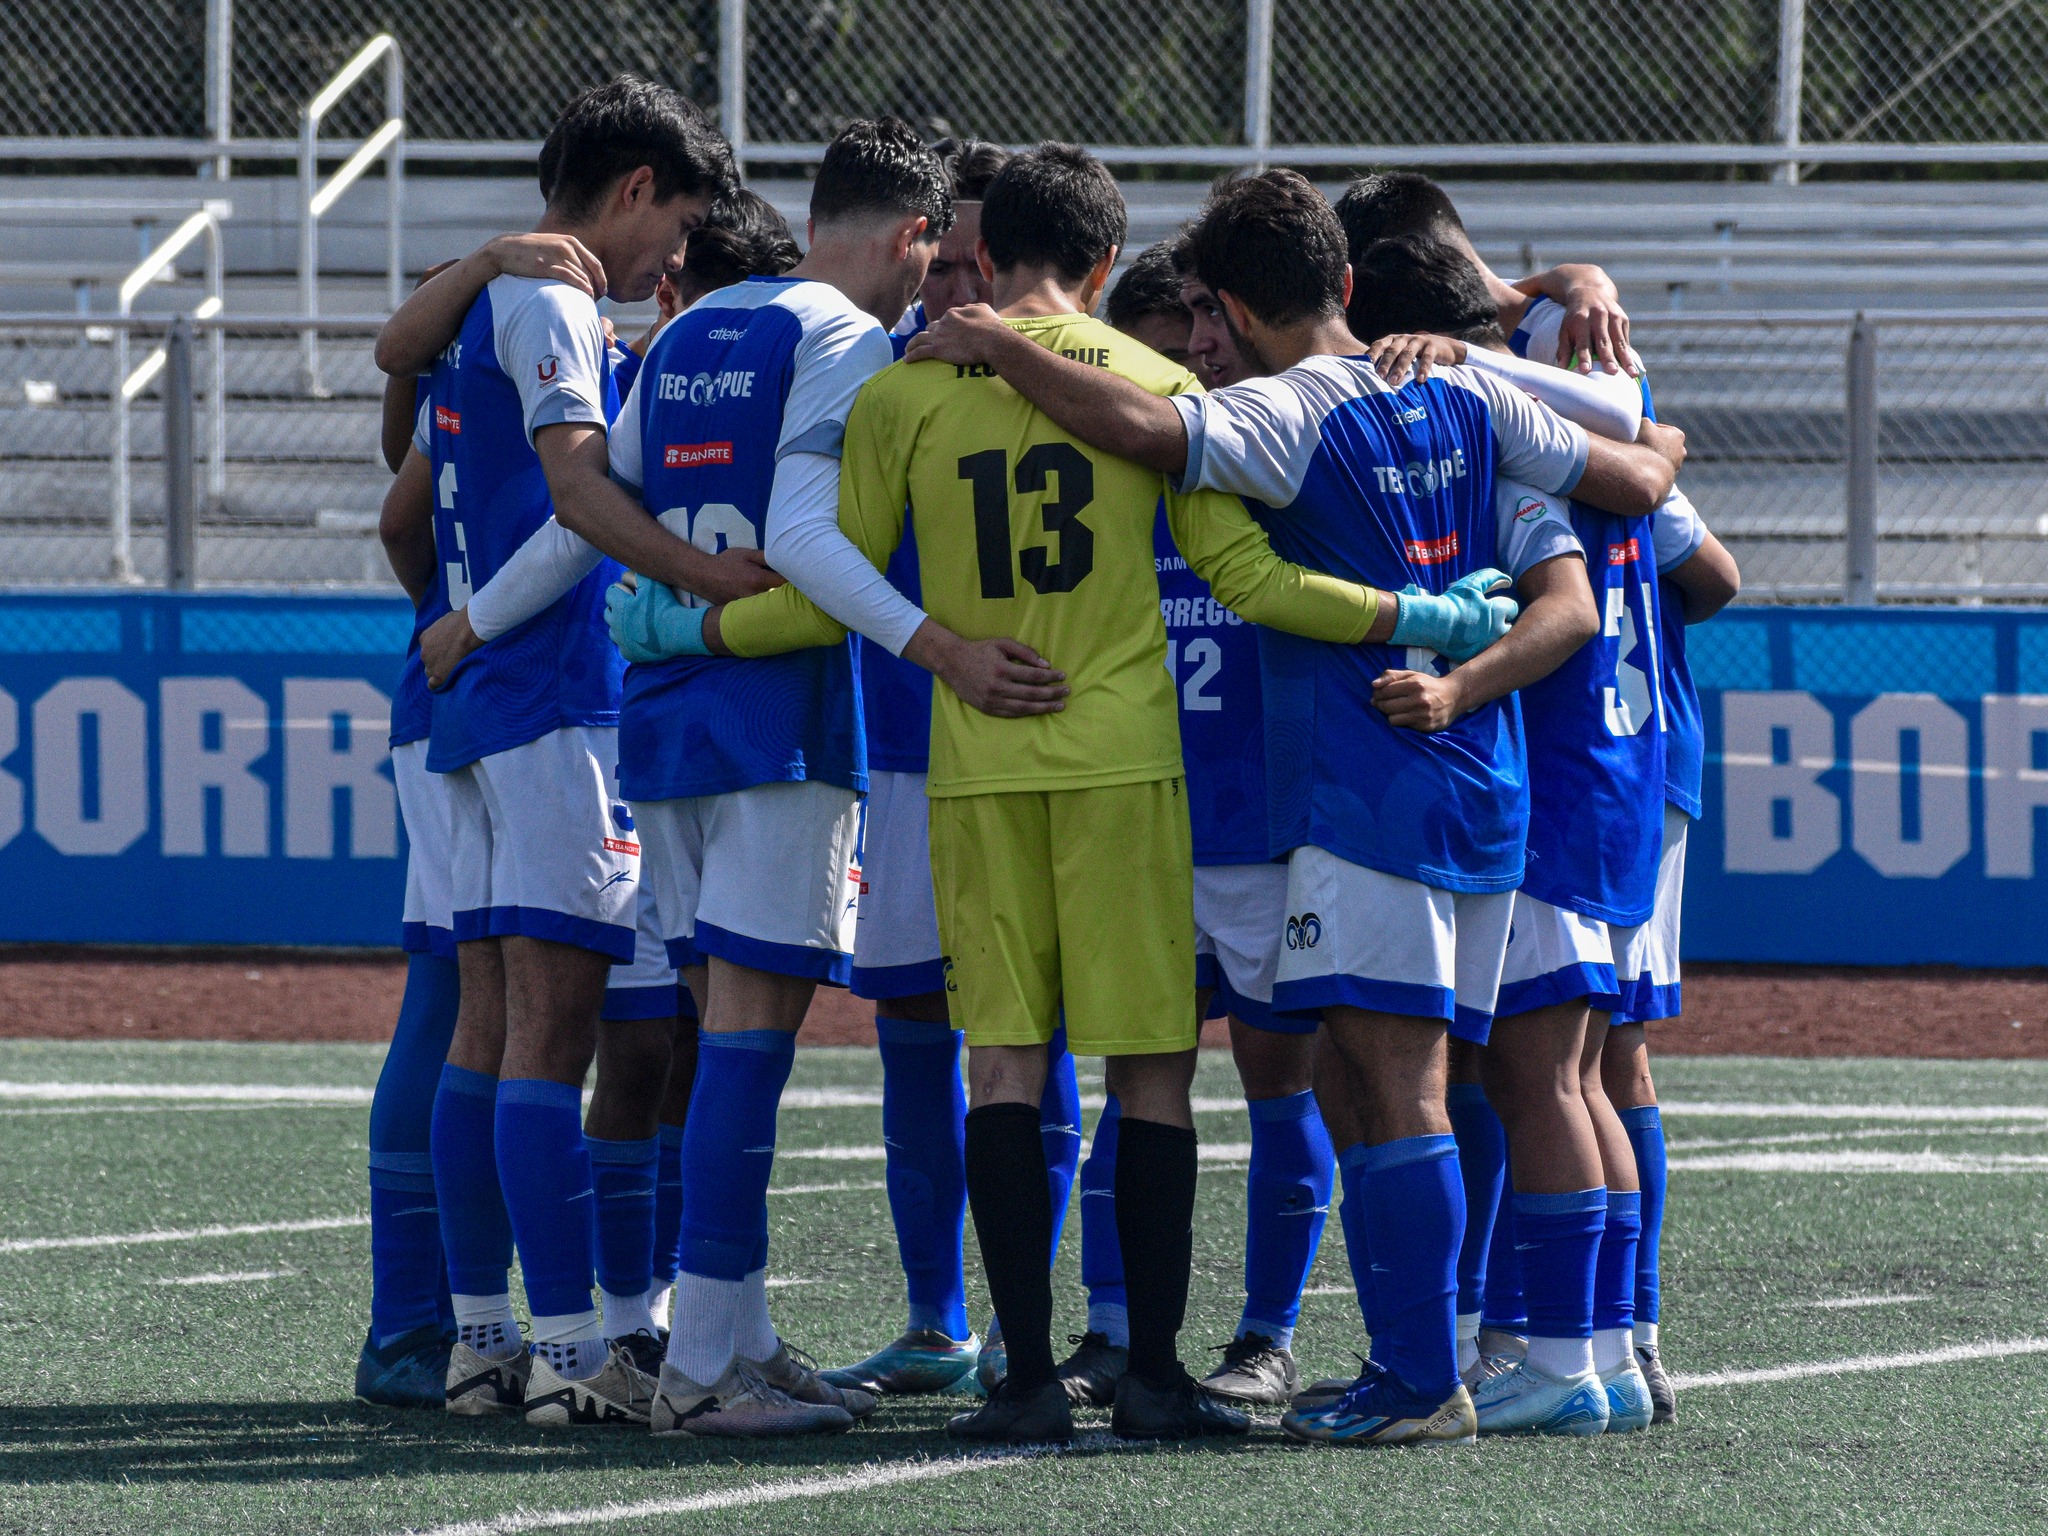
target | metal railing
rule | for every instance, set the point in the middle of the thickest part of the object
(315, 199)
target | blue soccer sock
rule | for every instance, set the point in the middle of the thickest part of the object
(1614, 1280)
(476, 1234)
(544, 1168)
(1287, 1201)
(407, 1275)
(1645, 1128)
(1502, 1306)
(1415, 1218)
(1483, 1163)
(1351, 1172)
(1102, 1254)
(668, 1221)
(1558, 1238)
(728, 1155)
(1059, 1122)
(924, 1111)
(623, 1177)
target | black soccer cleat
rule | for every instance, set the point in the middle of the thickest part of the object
(1255, 1372)
(409, 1372)
(1173, 1410)
(1091, 1372)
(1038, 1416)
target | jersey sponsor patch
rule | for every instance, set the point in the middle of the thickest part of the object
(691, 455)
(1627, 552)
(447, 420)
(1531, 509)
(1433, 551)
(546, 369)
(620, 845)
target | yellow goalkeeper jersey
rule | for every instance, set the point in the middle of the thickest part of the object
(1024, 531)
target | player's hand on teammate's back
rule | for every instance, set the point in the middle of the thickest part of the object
(962, 336)
(734, 574)
(1665, 439)
(1595, 328)
(561, 257)
(1418, 701)
(447, 643)
(1395, 356)
(650, 623)
(1000, 677)
(1465, 620)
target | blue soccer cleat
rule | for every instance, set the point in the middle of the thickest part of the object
(922, 1362)
(409, 1372)
(1629, 1405)
(1523, 1400)
(1381, 1410)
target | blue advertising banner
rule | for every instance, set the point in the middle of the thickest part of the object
(199, 769)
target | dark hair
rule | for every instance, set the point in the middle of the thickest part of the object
(1149, 286)
(880, 166)
(1389, 204)
(1054, 206)
(971, 164)
(743, 236)
(1274, 242)
(1415, 283)
(613, 130)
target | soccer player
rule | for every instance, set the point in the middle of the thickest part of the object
(1397, 908)
(544, 864)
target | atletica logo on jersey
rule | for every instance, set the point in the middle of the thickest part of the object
(693, 455)
(1433, 551)
(1305, 931)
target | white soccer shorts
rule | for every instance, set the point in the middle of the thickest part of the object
(646, 987)
(1240, 914)
(1555, 955)
(762, 877)
(541, 845)
(1360, 938)
(896, 935)
(1652, 954)
(428, 923)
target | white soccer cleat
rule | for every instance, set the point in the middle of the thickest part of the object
(1523, 1400)
(480, 1387)
(793, 1372)
(1629, 1406)
(738, 1406)
(620, 1394)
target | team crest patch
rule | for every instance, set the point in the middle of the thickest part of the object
(1531, 509)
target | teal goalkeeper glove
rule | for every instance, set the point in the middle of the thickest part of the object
(650, 623)
(1461, 623)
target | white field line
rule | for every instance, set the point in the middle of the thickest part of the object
(1938, 1113)
(871, 1098)
(169, 1109)
(1862, 1162)
(1211, 1152)
(1849, 1303)
(822, 1189)
(227, 1093)
(1876, 1133)
(1990, 1349)
(180, 1235)
(235, 1277)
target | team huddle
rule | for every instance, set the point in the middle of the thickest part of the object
(1303, 645)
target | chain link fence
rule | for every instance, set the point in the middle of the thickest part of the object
(1148, 74)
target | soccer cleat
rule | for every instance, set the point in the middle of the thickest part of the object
(1523, 1400)
(794, 1373)
(621, 1393)
(1091, 1372)
(1255, 1372)
(647, 1350)
(1663, 1399)
(993, 1363)
(479, 1385)
(1041, 1416)
(1175, 1410)
(1325, 1390)
(1486, 1367)
(922, 1361)
(1380, 1410)
(1628, 1398)
(738, 1406)
(409, 1372)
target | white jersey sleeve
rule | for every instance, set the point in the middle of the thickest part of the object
(1533, 443)
(622, 445)
(1257, 438)
(840, 351)
(1530, 528)
(540, 572)
(422, 426)
(1610, 404)
(551, 345)
(806, 545)
(1676, 531)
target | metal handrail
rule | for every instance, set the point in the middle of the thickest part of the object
(203, 224)
(314, 199)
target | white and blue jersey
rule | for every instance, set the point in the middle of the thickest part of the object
(1213, 657)
(1685, 739)
(747, 376)
(530, 354)
(1596, 734)
(1387, 487)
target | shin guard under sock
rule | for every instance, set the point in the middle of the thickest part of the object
(408, 1274)
(1645, 1126)
(1102, 1256)
(476, 1234)
(1059, 1121)
(923, 1137)
(1006, 1185)
(1483, 1164)
(1415, 1219)
(1287, 1201)
(545, 1172)
(1155, 1219)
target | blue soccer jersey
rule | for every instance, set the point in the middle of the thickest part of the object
(1685, 739)
(1387, 487)
(1213, 658)
(531, 354)
(744, 378)
(412, 706)
(1596, 734)
(896, 695)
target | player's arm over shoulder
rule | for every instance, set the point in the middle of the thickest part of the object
(1228, 550)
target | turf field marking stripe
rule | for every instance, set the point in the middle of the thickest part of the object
(1863, 1162)
(1846, 1303)
(864, 1480)
(822, 1189)
(1211, 1152)
(1956, 1113)
(1869, 1133)
(1990, 1349)
(268, 1093)
(180, 1235)
(234, 1277)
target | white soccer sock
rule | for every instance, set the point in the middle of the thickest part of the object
(754, 1336)
(1468, 1341)
(486, 1325)
(1561, 1357)
(658, 1298)
(706, 1312)
(625, 1315)
(1612, 1348)
(572, 1343)
(1646, 1335)
(1111, 1319)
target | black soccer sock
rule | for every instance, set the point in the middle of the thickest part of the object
(1008, 1191)
(1155, 1224)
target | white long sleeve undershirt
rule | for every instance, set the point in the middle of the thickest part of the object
(1609, 405)
(541, 570)
(806, 546)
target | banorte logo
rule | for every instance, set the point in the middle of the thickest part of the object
(1305, 931)
(695, 455)
(622, 819)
